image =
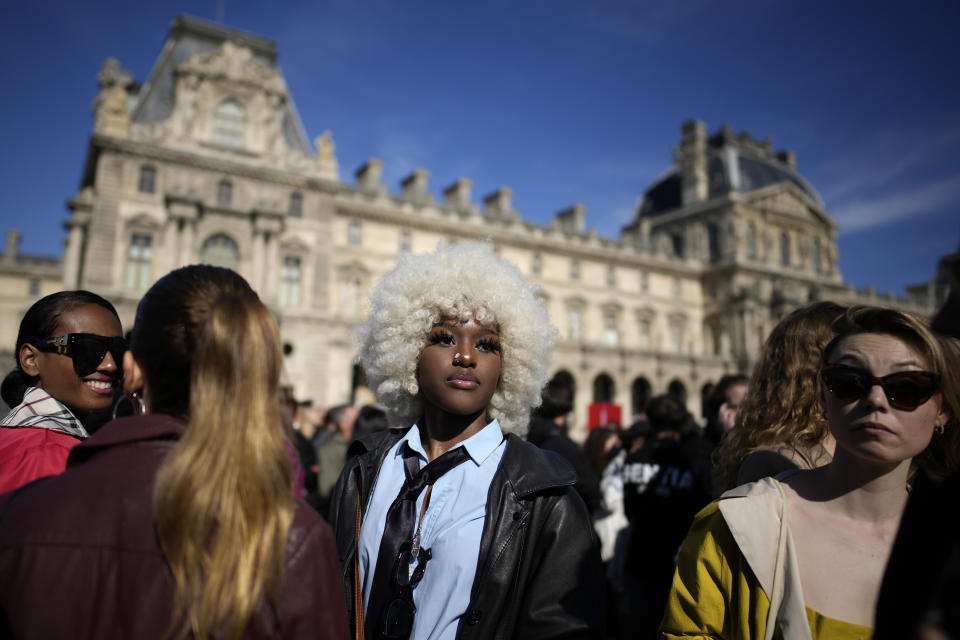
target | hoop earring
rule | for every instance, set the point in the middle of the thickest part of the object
(137, 408)
(939, 429)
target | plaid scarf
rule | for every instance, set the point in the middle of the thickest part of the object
(39, 409)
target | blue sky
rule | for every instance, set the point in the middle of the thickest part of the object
(563, 101)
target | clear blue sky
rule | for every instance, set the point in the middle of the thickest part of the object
(563, 101)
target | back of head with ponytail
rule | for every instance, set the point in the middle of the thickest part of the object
(210, 354)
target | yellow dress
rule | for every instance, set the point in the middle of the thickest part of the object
(716, 595)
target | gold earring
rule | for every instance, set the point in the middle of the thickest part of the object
(939, 429)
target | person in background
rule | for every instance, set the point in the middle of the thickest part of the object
(723, 405)
(179, 521)
(920, 595)
(305, 469)
(780, 424)
(548, 430)
(665, 484)
(69, 351)
(339, 421)
(802, 555)
(370, 420)
(453, 526)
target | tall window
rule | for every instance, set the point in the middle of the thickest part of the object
(678, 247)
(611, 276)
(224, 193)
(713, 241)
(644, 281)
(610, 335)
(676, 331)
(677, 288)
(220, 250)
(33, 289)
(536, 264)
(350, 296)
(751, 241)
(354, 234)
(290, 282)
(784, 249)
(574, 324)
(815, 256)
(229, 122)
(295, 208)
(405, 243)
(643, 329)
(139, 256)
(148, 179)
(574, 269)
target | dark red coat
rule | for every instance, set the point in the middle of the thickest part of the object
(79, 557)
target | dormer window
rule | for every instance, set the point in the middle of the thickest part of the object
(228, 126)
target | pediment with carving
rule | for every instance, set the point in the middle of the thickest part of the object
(234, 63)
(791, 202)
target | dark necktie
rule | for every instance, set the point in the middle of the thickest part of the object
(399, 529)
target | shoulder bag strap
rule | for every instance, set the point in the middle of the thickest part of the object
(358, 632)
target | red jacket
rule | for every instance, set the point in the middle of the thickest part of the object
(28, 453)
(79, 556)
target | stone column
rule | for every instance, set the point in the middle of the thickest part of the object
(256, 260)
(272, 245)
(71, 260)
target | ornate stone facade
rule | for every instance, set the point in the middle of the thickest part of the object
(208, 162)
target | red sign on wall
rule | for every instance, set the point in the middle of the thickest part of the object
(601, 414)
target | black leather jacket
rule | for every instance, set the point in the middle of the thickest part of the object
(539, 573)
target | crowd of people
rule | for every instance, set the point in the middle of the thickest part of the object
(165, 485)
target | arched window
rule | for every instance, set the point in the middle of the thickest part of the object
(148, 179)
(639, 395)
(224, 193)
(603, 388)
(229, 121)
(220, 250)
(679, 391)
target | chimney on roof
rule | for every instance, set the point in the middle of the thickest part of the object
(693, 161)
(572, 220)
(788, 158)
(499, 202)
(415, 185)
(457, 195)
(368, 176)
(13, 245)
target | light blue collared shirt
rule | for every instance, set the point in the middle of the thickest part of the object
(451, 528)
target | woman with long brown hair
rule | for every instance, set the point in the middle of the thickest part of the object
(780, 424)
(180, 521)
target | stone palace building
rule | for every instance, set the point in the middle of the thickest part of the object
(208, 161)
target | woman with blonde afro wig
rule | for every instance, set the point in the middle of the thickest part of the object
(452, 525)
(456, 282)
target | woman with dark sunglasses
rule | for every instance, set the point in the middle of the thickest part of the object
(179, 522)
(803, 554)
(69, 350)
(454, 526)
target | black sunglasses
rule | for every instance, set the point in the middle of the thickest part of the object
(87, 350)
(906, 390)
(399, 612)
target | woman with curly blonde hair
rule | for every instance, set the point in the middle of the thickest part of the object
(453, 525)
(780, 424)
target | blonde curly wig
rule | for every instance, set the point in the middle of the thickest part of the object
(461, 282)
